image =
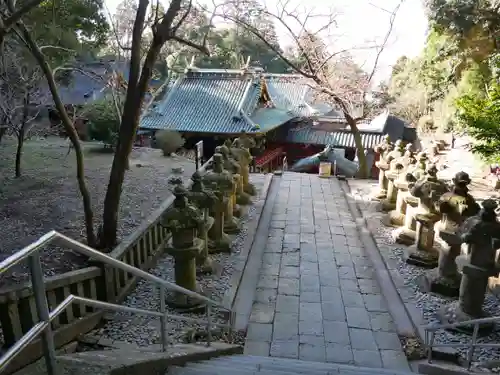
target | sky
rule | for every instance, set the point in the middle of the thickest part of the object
(360, 23)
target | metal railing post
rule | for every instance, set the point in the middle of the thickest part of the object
(163, 320)
(470, 354)
(209, 325)
(42, 309)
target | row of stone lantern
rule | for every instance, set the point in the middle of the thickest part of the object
(202, 218)
(436, 221)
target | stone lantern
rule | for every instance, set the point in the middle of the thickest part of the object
(482, 234)
(184, 221)
(428, 191)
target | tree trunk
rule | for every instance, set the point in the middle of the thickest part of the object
(19, 151)
(360, 150)
(70, 131)
(128, 128)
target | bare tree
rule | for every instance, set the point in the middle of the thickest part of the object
(332, 74)
(20, 96)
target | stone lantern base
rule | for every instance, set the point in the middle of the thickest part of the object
(222, 245)
(231, 225)
(250, 189)
(404, 236)
(432, 282)
(243, 199)
(237, 211)
(452, 313)
(422, 258)
(185, 277)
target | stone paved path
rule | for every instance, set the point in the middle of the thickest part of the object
(317, 298)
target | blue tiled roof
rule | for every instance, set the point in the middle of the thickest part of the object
(206, 102)
(225, 101)
(290, 92)
(308, 135)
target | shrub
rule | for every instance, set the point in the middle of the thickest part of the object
(103, 123)
(169, 141)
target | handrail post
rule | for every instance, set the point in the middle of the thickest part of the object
(470, 354)
(209, 325)
(163, 320)
(42, 310)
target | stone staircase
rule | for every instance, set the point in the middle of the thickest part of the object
(250, 365)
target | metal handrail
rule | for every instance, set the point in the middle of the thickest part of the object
(431, 329)
(31, 252)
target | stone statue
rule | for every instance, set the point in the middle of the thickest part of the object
(184, 221)
(221, 180)
(204, 200)
(382, 166)
(407, 233)
(240, 197)
(244, 158)
(428, 191)
(396, 167)
(482, 233)
(455, 207)
(397, 216)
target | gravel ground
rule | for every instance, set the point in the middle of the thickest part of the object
(143, 330)
(427, 303)
(46, 197)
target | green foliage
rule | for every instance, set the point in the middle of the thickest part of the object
(73, 27)
(481, 117)
(103, 121)
(169, 141)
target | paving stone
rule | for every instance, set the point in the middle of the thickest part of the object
(292, 229)
(308, 267)
(382, 322)
(269, 282)
(311, 327)
(310, 311)
(271, 258)
(367, 358)
(312, 340)
(270, 270)
(287, 304)
(279, 224)
(343, 259)
(329, 279)
(263, 295)
(338, 353)
(357, 317)
(290, 259)
(336, 332)
(289, 286)
(362, 339)
(349, 285)
(334, 311)
(260, 332)
(346, 273)
(262, 313)
(285, 349)
(352, 299)
(257, 348)
(289, 272)
(309, 283)
(330, 294)
(368, 286)
(375, 302)
(394, 360)
(387, 340)
(286, 326)
(316, 353)
(310, 297)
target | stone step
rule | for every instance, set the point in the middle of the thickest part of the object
(247, 365)
(265, 362)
